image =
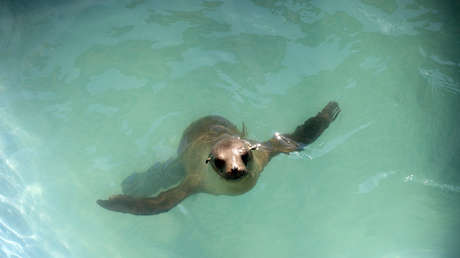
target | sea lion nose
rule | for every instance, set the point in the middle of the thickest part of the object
(235, 173)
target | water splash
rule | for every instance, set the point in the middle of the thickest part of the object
(413, 179)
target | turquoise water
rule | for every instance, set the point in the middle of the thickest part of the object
(91, 92)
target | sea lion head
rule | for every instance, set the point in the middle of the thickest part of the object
(231, 157)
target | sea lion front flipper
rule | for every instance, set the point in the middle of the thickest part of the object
(147, 206)
(313, 127)
(159, 177)
(305, 133)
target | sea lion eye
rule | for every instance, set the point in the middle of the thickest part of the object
(219, 163)
(245, 158)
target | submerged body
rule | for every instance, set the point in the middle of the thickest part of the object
(213, 157)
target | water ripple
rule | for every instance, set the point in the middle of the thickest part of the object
(18, 201)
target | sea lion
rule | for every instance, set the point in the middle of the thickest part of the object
(213, 157)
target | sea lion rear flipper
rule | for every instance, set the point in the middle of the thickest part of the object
(147, 206)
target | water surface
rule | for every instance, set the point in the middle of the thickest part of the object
(91, 92)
